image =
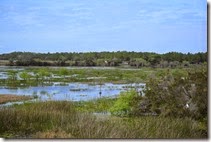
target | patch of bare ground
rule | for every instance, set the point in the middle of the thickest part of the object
(12, 98)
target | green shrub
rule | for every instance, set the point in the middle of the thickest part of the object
(122, 106)
(97, 105)
(179, 96)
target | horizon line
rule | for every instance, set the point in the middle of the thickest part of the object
(104, 51)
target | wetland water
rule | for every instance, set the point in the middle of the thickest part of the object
(67, 91)
(72, 91)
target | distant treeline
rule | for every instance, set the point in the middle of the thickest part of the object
(119, 58)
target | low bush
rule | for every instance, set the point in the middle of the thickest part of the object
(122, 106)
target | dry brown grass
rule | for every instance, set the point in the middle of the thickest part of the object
(12, 98)
(4, 62)
(58, 133)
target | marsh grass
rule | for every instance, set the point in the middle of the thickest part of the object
(96, 105)
(117, 75)
(29, 118)
(62, 120)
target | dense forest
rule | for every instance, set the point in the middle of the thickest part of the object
(119, 58)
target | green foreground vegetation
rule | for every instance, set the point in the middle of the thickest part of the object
(172, 105)
(61, 120)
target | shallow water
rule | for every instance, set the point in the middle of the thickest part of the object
(72, 91)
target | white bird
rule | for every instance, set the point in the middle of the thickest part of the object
(187, 105)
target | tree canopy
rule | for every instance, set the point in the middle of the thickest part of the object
(136, 59)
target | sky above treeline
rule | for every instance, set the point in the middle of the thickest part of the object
(159, 26)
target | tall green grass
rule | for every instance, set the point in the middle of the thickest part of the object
(61, 120)
(96, 105)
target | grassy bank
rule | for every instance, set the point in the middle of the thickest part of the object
(13, 98)
(62, 120)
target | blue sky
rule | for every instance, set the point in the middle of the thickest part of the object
(103, 25)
